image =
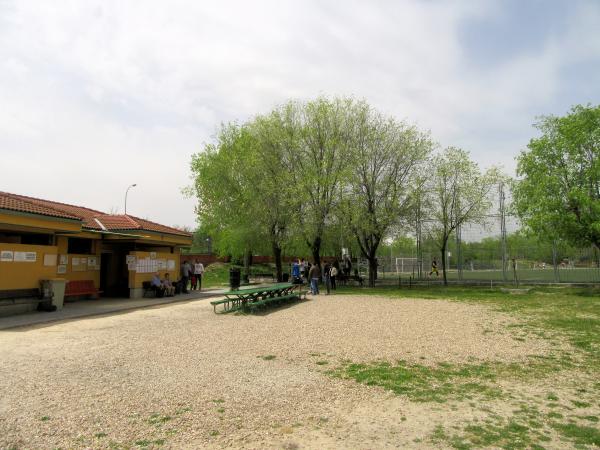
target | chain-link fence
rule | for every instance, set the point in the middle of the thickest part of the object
(496, 251)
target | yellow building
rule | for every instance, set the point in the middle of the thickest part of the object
(41, 239)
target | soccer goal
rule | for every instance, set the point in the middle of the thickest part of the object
(407, 265)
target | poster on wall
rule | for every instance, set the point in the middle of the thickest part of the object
(6, 255)
(50, 260)
(152, 255)
(61, 268)
(63, 259)
(161, 264)
(78, 264)
(25, 257)
(131, 261)
(171, 264)
(92, 263)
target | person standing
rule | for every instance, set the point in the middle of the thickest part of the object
(327, 276)
(313, 275)
(347, 265)
(198, 272)
(185, 276)
(296, 279)
(332, 274)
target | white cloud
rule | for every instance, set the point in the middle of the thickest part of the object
(98, 95)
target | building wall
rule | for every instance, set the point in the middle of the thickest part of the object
(72, 274)
(136, 279)
(26, 275)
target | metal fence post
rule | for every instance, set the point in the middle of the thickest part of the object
(459, 268)
(555, 262)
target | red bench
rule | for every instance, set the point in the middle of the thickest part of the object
(81, 287)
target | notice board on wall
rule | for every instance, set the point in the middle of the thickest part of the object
(78, 264)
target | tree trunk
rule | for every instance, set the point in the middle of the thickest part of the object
(444, 261)
(372, 269)
(316, 251)
(277, 256)
(247, 263)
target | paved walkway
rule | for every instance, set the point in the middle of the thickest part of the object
(86, 308)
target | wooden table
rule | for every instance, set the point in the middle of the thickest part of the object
(245, 299)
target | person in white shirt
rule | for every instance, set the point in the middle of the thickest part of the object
(198, 271)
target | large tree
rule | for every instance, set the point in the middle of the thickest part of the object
(241, 184)
(317, 150)
(385, 157)
(458, 193)
(558, 195)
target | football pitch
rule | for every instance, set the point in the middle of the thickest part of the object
(564, 275)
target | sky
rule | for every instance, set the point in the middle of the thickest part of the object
(98, 95)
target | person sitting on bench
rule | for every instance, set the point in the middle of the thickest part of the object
(168, 286)
(157, 285)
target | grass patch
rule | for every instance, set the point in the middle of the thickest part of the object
(579, 404)
(579, 434)
(100, 435)
(268, 357)
(45, 418)
(213, 433)
(157, 419)
(426, 384)
(322, 363)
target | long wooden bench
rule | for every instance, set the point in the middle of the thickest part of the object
(76, 288)
(12, 297)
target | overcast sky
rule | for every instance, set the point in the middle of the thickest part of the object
(97, 95)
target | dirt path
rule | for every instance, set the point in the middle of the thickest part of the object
(180, 376)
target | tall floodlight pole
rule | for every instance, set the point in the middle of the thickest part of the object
(126, 192)
(503, 232)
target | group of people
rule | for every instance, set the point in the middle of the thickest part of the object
(191, 279)
(303, 270)
(191, 275)
(164, 287)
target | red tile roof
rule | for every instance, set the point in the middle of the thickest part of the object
(19, 203)
(91, 219)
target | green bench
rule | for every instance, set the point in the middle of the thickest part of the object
(251, 299)
(261, 303)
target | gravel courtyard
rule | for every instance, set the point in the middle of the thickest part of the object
(179, 376)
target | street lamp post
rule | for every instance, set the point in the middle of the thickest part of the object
(126, 192)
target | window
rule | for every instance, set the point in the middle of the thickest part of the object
(10, 237)
(80, 246)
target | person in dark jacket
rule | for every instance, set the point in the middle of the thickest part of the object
(313, 275)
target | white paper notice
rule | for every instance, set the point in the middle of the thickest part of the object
(50, 260)
(25, 256)
(6, 255)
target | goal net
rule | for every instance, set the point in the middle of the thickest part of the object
(407, 265)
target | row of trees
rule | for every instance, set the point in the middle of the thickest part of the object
(317, 175)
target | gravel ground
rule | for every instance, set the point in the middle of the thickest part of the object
(179, 376)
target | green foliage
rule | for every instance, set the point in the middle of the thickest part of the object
(558, 195)
(457, 192)
(387, 156)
